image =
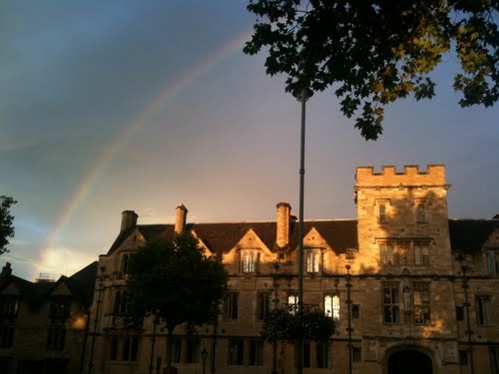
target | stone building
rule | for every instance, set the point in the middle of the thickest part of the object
(410, 289)
(43, 325)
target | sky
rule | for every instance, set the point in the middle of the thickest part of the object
(113, 105)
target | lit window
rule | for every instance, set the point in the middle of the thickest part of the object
(231, 306)
(483, 310)
(313, 261)
(421, 300)
(236, 351)
(293, 302)
(255, 353)
(248, 262)
(332, 306)
(391, 300)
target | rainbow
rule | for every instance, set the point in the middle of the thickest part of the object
(79, 195)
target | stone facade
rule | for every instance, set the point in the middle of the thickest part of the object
(408, 288)
(43, 325)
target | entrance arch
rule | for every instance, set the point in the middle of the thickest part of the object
(409, 361)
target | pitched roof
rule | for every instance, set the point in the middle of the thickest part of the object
(465, 234)
(469, 235)
(221, 237)
(81, 285)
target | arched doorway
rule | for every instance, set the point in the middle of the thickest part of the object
(409, 362)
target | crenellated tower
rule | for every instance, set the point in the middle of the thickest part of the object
(403, 218)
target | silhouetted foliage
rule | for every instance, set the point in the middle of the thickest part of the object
(6, 222)
(374, 52)
(282, 325)
(177, 283)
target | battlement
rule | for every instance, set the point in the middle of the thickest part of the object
(411, 176)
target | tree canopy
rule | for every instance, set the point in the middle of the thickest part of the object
(372, 53)
(280, 324)
(6, 222)
(176, 282)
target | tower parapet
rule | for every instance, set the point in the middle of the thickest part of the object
(411, 176)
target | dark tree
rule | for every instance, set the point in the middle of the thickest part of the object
(6, 222)
(176, 283)
(281, 325)
(372, 53)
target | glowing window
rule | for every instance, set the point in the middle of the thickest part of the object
(332, 306)
(313, 261)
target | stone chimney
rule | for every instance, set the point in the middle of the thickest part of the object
(283, 221)
(180, 218)
(7, 270)
(128, 220)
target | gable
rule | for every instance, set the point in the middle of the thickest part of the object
(60, 289)
(11, 289)
(313, 239)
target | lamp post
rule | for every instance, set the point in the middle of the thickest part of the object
(469, 332)
(204, 356)
(299, 351)
(153, 342)
(349, 328)
(96, 319)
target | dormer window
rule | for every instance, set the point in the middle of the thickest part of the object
(313, 261)
(125, 263)
(9, 305)
(250, 261)
(60, 307)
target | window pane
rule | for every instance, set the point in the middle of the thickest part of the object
(323, 356)
(336, 307)
(328, 306)
(236, 349)
(256, 353)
